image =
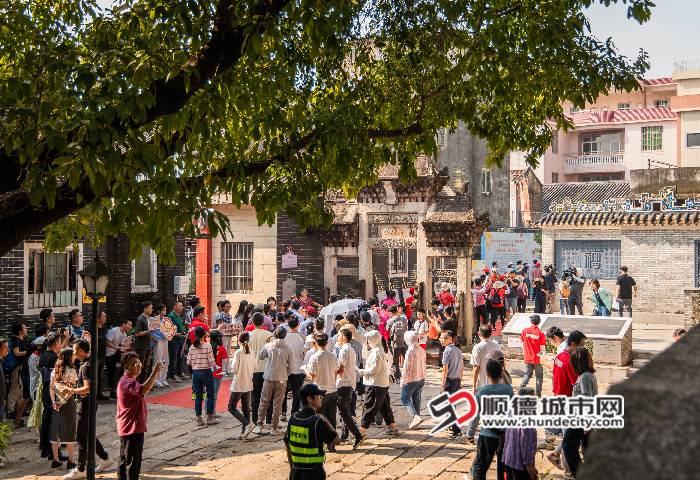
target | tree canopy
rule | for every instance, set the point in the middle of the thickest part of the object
(131, 119)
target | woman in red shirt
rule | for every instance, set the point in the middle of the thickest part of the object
(445, 296)
(220, 354)
(496, 296)
(198, 320)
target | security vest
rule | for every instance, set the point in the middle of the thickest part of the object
(307, 451)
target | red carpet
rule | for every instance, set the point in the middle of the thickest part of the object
(183, 397)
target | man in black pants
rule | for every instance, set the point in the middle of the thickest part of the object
(82, 393)
(347, 359)
(488, 438)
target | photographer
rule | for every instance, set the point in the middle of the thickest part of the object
(550, 278)
(576, 283)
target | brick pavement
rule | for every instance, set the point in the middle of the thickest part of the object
(176, 449)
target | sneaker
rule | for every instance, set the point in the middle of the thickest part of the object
(416, 421)
(248, 430)
(393, 431)
(568, 475)
(283, 418)
(176, 379)
(70, 465)
(157, 384)
(276, 431)
(104, 465)
(545, 446)
(554, 459)
(212, 421)
(201, 423)
(454, 434)
(358, 441)
(56, 464)
(238, 437)
(165, 384)
(257, 430)
(75, 473)
(469, 441)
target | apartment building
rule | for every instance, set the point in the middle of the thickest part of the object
(686, 105)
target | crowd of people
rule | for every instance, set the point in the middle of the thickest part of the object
(497, 296)
(328, 367)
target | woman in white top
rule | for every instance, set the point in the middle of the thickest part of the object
(242, 370)
(376, 378)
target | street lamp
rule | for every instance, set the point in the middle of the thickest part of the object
(95, 279)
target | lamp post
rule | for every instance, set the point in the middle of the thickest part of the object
(95, 279)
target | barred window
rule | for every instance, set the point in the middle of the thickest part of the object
(398, 261)
(486, 181)
(144, 272)
(652, 138)
(660, 103)
(693, 140)
(457, 178)
(52, 279)
(236, 267)
(623, 106)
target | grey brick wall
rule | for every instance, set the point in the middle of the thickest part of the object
(309, 271)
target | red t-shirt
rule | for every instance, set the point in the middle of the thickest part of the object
(131, 407)
(533, 339)
(563, 376)
(220, 355)
(197, 323)
(409, 310)
(501, 293)
(446, 298)
(305, 302)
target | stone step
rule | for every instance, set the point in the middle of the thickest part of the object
(631, 371)
(643, 354)
(640, 362)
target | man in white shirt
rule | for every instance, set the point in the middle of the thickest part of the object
(347, 379)
(113, 354)
(322, 370)
(295, 342)
(258, 340)
(480, 355)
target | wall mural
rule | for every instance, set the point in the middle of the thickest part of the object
(665, 201)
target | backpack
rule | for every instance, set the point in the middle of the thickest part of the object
(398, 329)
(522, 291)
(495, 297)
(10, 361)
(565, 290)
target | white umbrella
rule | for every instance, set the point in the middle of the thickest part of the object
(341, 307)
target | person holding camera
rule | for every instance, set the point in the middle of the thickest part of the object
(550, 279)
(576, 282)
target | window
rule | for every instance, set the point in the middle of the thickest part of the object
(623, 106)
(652, 138)
(555, 177)
(457, 178)
(692, 140)
(601, 178)
(236, 267)
(398, 262)
(555, 141)
(660, 103)
(143, 272)
(52, 279)
(573, 110)
(440, 135)
(600, 143)
(486, 181)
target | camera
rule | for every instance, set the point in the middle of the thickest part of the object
(569, 271)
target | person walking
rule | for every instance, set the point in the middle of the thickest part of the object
(175, 344)
(576, 283)
(275, 375)
(398, 326)
(63, 421)
(511, 296)
(586, 386)
(216, 339)
(602, 298)
(224, 317)
(481, 314)
(550, 281)
(322, 370)
(295, 341)
(160, 348)
(487, 446)
(479, 358)
(142, 339)
(242, 384)
(201, 359)
(563, 295)
(496, 297)
(132, 415)
(535, 274)
(421, 327)
(523, 293)
(625, 291)
(345, 384)
(534, 345)
(413, 378)
(376, 380)
(307, 435)
(453, 371)
(82, 393)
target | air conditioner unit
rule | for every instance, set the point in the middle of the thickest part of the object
(181, 285)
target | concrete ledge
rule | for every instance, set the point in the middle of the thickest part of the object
(604, 373)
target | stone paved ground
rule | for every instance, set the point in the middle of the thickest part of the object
(176, 449)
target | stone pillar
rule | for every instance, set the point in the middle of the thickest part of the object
(692, 308)
(464, 274)
(364, 254)
(423, 264)
(330, 279)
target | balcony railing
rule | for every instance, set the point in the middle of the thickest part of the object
(572, 159)
(686, 65)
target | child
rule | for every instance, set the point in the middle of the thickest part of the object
(242, 384)
(216, 340)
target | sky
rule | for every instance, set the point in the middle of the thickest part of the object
(672, 33)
